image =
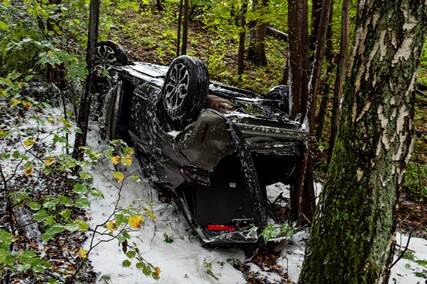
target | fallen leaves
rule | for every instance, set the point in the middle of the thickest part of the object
(28, 171)
(29, 142)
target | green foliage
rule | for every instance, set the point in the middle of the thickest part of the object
(421, 263)
(208, 267)
(56, 207)
(18, 261)
(423, 59)
(273, 231)
(27, 164)
(415, 179)
(33, 33)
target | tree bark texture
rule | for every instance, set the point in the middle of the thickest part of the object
(298, 79)
(298, 54)
(304, 188)
(84, 109)
(316, 10)
(325, 82)
(339, 81)
(352, 238)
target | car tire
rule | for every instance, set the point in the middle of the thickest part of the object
(108, 53)
(278, 97)
(185, 90)
(112, 109)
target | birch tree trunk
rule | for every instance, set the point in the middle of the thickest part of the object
(351, 240)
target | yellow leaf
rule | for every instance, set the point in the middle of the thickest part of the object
(112, 225)
(27, 104)
(97, 155)
(151, 214)
(118, 176)
(14, 102)
(157, 271)
(127, 160)
(136, 221)
(82, 253)
(28, 171)
(3, 92)
(50, 161)
(20, 85)
(29, 142)
(115, 159)
(50, 52)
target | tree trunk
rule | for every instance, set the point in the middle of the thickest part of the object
(298, 54)
(352, 236)
(242, 35)
(339, 81)
(298, 79)
(256, 50)
(325, 83)
(304, 187)
(316, 10)
(83, 118)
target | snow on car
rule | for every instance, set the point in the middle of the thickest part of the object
(214, 147)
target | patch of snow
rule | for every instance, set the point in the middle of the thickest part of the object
(403, 272)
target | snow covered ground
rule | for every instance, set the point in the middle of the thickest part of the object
(169, 243)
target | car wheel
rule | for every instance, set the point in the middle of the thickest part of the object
(109, 53)
(185, 90)
(278, 97)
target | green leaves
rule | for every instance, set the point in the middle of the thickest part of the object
(273, 231)
(126, 263)
(4, 26)
(80, 189)
(5, 239)
(55, 229)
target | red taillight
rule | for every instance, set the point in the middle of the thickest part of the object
(221, 228)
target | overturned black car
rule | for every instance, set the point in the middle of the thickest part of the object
(216, 148)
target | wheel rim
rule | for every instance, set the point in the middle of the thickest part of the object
(177, 87)
(105, 57)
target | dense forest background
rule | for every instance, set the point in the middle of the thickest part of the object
(43, 60)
